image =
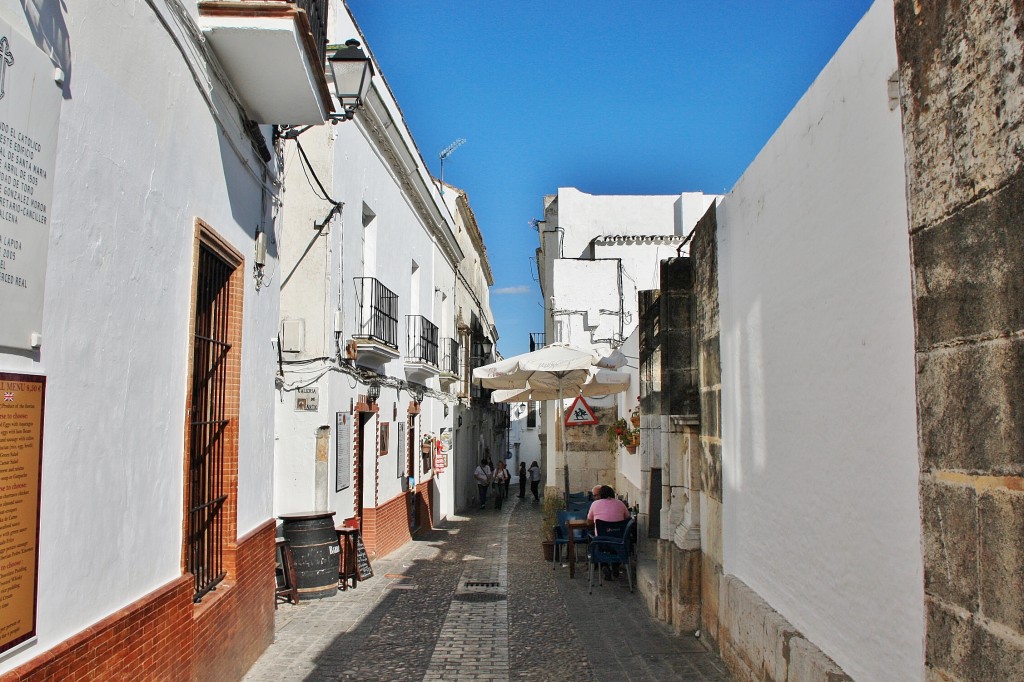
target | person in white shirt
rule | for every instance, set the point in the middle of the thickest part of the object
(535, 480)
(482, 475)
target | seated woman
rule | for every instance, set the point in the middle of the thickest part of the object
(608, 508)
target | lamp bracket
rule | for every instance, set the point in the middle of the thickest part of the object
(335, 209)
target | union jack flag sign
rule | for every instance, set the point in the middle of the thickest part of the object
(8, 397)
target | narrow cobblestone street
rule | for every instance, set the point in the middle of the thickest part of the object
(474, 600)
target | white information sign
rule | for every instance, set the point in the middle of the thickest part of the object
(30, 103)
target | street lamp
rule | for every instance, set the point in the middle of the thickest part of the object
(486, 346)
(352, 71)
(373, 392)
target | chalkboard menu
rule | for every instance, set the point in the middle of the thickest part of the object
(362, 561)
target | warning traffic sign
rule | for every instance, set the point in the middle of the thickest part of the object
(580, 414)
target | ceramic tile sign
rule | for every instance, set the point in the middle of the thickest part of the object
(30, 103)
(21, 449)
(307, 399)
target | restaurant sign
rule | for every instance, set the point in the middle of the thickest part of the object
(21, 450)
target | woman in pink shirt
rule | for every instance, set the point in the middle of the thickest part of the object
(608, 507)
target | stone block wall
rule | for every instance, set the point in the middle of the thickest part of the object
(704, 251)
(962, 78)
(757, 643)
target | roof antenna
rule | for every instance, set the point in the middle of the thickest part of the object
(445, 153)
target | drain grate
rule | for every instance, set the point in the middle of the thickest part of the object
(482, 583)
(479, 596)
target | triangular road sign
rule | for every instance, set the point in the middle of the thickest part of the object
(580, 414)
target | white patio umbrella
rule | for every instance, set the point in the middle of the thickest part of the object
(551, 373)
(601, 382)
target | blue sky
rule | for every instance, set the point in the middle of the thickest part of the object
(628, 97)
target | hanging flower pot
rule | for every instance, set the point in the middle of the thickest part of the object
(631, 449)
(635, 420)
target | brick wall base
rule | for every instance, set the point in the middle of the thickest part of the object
(163, 636)
(387, 527)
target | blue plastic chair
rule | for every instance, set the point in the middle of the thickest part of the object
(561, 536)
(613, 545)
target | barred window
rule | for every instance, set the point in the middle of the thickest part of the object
(212, 430)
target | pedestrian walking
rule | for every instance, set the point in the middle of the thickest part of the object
(522, 480)
(508, 475)
(483, 474)
(501, 477)
(535, 480)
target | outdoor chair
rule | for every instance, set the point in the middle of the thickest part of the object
(561, 536)
(612, 546)
(580, 506)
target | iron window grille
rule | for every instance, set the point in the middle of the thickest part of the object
(536, 341)
(208, 423)
(450, 362)
(422, 339)
(377, 308)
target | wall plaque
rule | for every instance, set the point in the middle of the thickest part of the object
(342, 452)
(21, 450)
(307, 399)
(29, 118)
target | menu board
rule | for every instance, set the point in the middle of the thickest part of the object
(21, 449)
(342, 452)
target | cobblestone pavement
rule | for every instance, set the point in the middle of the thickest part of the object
(474, 600)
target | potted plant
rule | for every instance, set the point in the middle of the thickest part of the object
(621, 433)
(552, 505)
(634, 414)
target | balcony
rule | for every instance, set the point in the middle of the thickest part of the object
(376, 337)
(274, 54)
(536, 341)
(421, 357)
(449, 363)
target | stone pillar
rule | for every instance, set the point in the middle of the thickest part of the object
(963, 118)
(704, 251)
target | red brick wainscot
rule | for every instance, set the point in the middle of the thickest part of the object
(164, 636)
(386, 528)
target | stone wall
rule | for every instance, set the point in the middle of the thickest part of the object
(670, 403)
(962, 78)
(704, 250)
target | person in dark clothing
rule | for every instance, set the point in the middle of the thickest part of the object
(522, 480)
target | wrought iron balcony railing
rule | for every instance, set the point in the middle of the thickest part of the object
(377, 308)
(422, 339)
(536, 341)
(450, 361)
(316, 12)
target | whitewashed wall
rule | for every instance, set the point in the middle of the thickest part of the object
(593, 303)
(139, 158)
(818, 412)
(351, 161)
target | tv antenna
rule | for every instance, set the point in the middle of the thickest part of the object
(445, 153)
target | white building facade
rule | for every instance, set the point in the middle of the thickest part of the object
(135, 335)
(376, 265)
(596, 253)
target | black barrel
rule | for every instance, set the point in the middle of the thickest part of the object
(315, 552)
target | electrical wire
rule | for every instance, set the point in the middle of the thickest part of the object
(302, 153)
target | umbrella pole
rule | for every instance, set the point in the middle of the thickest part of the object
(565, 451)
